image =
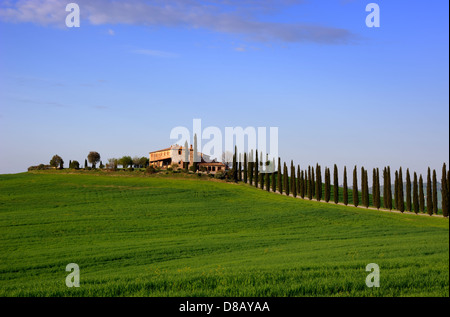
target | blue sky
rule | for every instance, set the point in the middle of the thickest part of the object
(338, 91)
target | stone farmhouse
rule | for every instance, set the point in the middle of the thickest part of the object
(176, 155)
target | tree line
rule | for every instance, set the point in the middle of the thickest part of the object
(94, 159)
(413, 195)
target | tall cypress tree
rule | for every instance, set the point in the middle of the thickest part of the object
(291, 180)
(416, 195)
(448, 192)
(435, 201)
(374, 188)
(240, 168)
(305, 182)
(235, 165)
(444, 191)
(378, 199)
(310, 184)
(302, 184)
(401, 196)
(345, 187)
(256, 169)
(313, 182)
(336, 185)
(429, 193)
(280, 177)
(389, 190)
(355, 188)
(286, 180)
(396, 198)
(408, 191)
(299, 181)
(294, 181)
(245, 168)
(274, 183)
(366, 191)
(262, 168)
(385, 196)
(327, 185)
(421, 195)
(268, 181)
(363, 186)
(250, 168)
(318, 183)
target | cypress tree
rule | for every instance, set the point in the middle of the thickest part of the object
(245, 168)
(448, 192)
(291, 180)
(327, 185)
(385, 197)
(429, 194)
(286, 180)
(313, 182)
(435, 201)
(444, 191)
(378, 194)
(250, 168)
(310, 192)
(274, 183)
(256, 169)
(336, 185)
(421, 195)
(408, 191)
(318, 183)
(363, 187)
(240, 168)
(70, 163)
(355, 188)
(294, 181)
(416, 195)
(374, 187)
(234, 169)
(345, 187)
(396, 198)
(305, 182)
(267, 181)
(279, 177)
(389, 188)
(302, 184)
(366, 191)
(299, 181)
(401, 197)
(85, 163)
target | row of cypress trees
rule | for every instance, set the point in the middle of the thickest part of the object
(307, 184)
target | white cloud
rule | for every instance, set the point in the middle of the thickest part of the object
(224, 16)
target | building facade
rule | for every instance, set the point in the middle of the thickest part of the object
(178, 155)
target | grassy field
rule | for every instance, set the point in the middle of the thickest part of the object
(162, 236)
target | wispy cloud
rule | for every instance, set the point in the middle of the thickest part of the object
(156, 53)
(225, 16)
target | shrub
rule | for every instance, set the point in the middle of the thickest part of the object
(220, 175)
(150, 170)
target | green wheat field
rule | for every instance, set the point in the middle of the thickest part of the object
(175, 235)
